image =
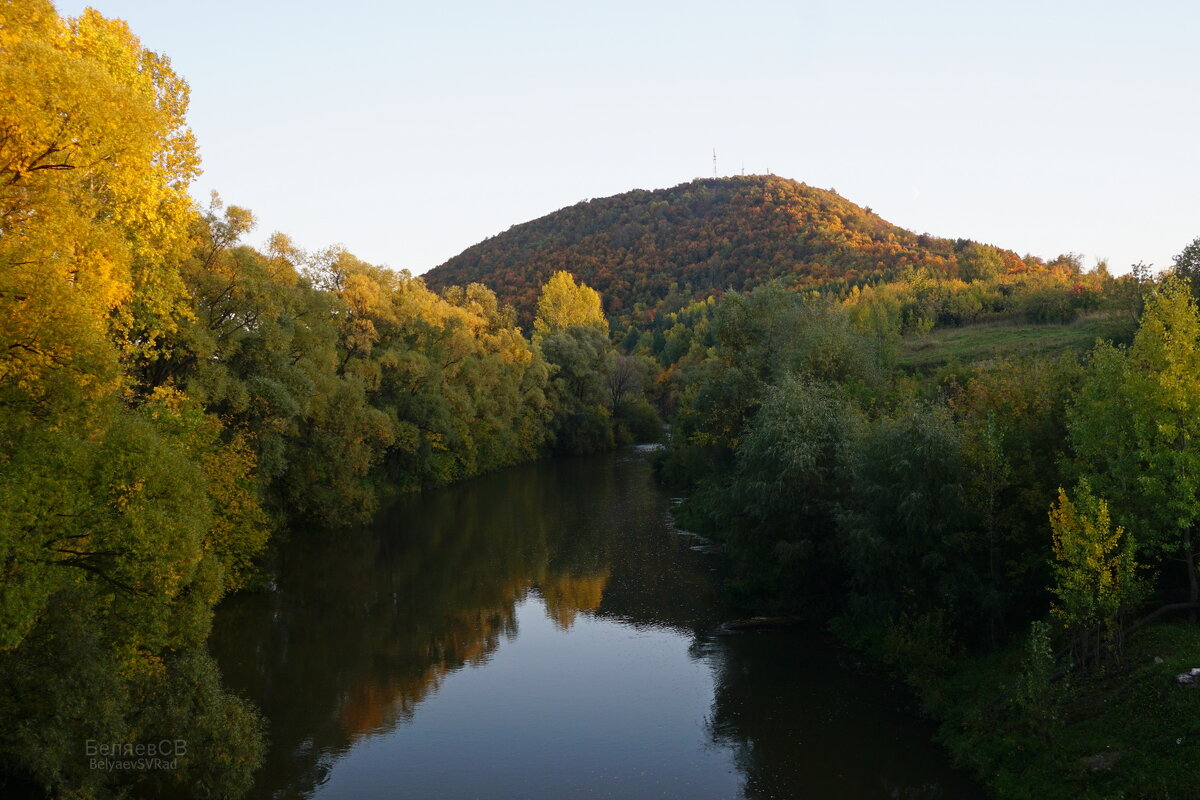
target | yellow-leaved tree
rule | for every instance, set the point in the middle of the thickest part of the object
(571, 332)
(124, 515)
(564, 303)
(95, 160)
(1095, 572)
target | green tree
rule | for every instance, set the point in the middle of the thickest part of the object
(1187, 266)
(978, 262)
(571, 333)
(1010, 416)
(1036, 694)
(580, 358)
(902, 534)
(1135, 429)
(1095, 572)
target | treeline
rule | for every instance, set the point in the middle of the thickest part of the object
(170, 397)
(1025, 511)
(919, 301)
(351, 379)
(654, 252)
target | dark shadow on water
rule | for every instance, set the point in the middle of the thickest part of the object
(806, 721)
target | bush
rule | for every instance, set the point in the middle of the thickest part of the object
(637, 421)
(1051, 304)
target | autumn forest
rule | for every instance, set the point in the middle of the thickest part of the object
(979, 469)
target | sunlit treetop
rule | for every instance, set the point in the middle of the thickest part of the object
(95, 162)
(564, 303)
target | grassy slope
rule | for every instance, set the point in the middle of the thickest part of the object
(973, 343)
(1135, 713)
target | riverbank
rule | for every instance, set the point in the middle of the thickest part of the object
(1128, 731)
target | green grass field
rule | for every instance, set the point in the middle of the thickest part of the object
(975, 343)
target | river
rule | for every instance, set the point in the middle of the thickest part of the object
(547, 632)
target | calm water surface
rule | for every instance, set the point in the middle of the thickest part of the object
(548, 633)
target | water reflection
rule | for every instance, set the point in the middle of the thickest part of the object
(806, 720)
(593, 618)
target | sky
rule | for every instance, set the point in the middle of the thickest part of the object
(409, 131)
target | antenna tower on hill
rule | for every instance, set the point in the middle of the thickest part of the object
(714, 162)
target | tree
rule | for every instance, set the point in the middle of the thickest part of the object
(95, 159)
(791, 465)
(571, 333)
(127, 510)
(579, 357)
(1095, 572)
(1135, 429)
(1187, 266)
(902, 528)
(1035, 693)
(978, 262)
(564, 304)
(1011, 418)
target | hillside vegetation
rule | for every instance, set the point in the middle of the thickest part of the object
(988, 486)
(641, 247)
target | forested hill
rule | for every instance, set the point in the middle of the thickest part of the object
(709, 234)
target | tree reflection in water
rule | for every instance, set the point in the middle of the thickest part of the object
(366, 625)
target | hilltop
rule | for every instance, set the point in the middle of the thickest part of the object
(702, 237)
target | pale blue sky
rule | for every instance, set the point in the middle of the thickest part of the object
(410, 131)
